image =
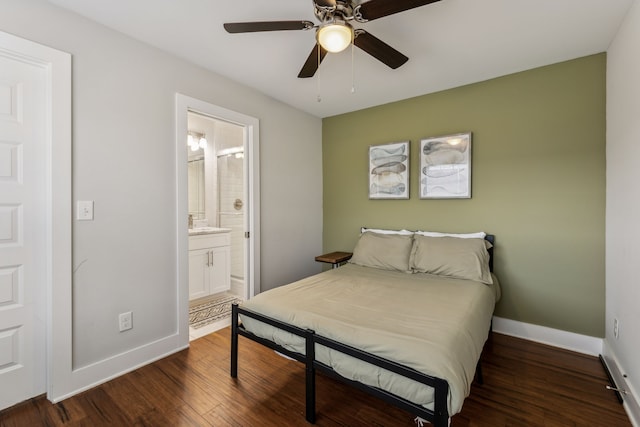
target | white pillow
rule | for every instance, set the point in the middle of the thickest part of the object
(478, 235)
(384, 231)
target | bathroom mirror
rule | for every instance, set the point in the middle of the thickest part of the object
(196, 186)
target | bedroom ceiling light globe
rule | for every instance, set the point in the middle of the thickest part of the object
(335, 37)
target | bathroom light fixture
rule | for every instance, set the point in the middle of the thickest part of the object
(196, 140)
(335, 36)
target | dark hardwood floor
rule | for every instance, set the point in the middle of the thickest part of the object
(525, 384)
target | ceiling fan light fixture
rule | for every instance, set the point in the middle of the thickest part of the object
(335, 37)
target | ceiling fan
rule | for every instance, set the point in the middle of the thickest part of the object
(336, 32)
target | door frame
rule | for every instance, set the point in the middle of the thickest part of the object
(57, 215)
(251, 125)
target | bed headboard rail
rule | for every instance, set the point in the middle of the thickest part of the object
(491, 239)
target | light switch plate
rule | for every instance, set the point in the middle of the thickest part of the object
(85, 210)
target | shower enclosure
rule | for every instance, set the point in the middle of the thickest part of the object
(231, 208)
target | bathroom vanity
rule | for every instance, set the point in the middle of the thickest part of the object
(209, 261)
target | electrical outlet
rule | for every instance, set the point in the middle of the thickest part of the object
(616, 328)
(85, 210)
(126, 321)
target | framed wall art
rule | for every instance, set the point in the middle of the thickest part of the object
(389, 171)
(445, 167)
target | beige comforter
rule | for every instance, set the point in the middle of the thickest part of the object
(433, 324)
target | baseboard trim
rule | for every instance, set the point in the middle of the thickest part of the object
(90, 376)
(554, 337)
(631, 398)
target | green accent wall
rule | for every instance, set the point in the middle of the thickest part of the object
(538, 184)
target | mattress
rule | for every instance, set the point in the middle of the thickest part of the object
(430, 323)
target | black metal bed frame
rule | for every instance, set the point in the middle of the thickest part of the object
(439, 416)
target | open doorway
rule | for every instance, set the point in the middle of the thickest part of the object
(219, 201)
(216, 200)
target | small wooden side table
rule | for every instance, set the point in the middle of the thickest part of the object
(335, 258)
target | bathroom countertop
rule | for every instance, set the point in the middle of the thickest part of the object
(197, 231)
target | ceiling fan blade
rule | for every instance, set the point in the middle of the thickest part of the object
(252, 27)
(375, 9)
(311, 65)
(379, 49)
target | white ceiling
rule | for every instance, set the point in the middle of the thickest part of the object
(449, 43)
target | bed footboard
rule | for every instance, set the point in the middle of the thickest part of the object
(308, 359)
(439, 416)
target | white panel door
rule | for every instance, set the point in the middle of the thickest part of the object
(23, 255)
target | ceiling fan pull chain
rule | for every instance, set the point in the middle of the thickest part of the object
(353, 74)
(319, 99)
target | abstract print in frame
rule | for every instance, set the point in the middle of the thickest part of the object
(389, 171)
(445, 167)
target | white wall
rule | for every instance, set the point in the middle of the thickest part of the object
(124, 160)
(623, 205)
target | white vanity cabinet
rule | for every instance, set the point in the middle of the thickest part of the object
(209, 264)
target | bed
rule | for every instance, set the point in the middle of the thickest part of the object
(405, 320)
